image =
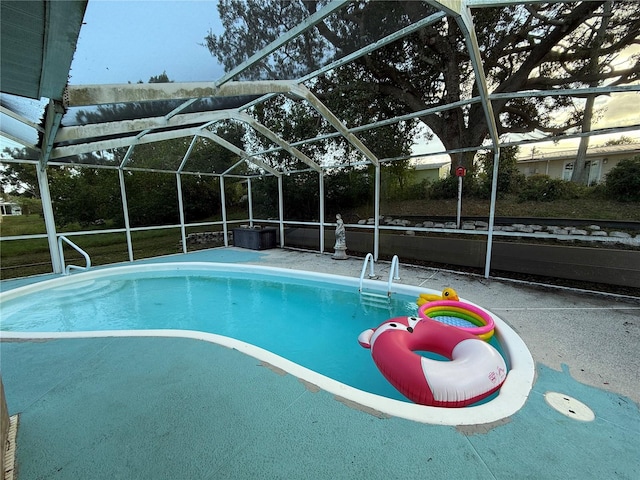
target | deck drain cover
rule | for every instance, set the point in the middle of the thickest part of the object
(569, 406)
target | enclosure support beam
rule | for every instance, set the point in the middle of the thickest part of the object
(125, 212)
(276, 139)
(53, 117)
(127, 156)
(138, 125)
(183, 233)
(409, 29)
(321, 205)
(183, 230)
(376, 216)
(188, 153)
(250, 200)
(466, 22)
(180, 108)
(302, 27)
(492, 212)
(238, 151)
(323, 110)
(223, 203)
(91, 95)
(49, 220)
(281, 210)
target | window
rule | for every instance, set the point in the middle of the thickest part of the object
(593, 171)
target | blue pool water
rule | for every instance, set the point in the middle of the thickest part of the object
(312, 323)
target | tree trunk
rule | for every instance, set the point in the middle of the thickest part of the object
(580, 174)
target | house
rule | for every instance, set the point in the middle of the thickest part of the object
(599, 161)
(430, 171)
(9, 208)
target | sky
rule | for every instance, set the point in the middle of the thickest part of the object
(125, 41)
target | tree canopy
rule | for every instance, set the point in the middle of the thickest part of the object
(523, 47)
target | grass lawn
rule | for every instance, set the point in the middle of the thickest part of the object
(580, 208)
(19, 258)
(22, 225)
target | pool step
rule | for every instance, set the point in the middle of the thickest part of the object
(375, 296)
(68, 294)
(89, 289)
(371, 299)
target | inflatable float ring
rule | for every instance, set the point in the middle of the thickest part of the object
(475, 370)
(483, 324)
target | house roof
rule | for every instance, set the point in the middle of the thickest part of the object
(631, 149)
(431, 166)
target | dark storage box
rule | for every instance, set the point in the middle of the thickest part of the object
(255, 238)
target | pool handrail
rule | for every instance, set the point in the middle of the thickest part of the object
(67, 270)
(395, 262)
(368, 259)
(394, 273)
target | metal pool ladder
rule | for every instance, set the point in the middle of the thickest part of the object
(394, 274)
(67, 270)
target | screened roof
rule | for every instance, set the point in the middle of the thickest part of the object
(67, 123)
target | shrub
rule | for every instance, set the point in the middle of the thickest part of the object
(415, 191)
(509, 177)
(599, 190)
(542, 188)
(444, 188)
(623, 181)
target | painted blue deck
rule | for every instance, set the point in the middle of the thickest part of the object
(163, 408)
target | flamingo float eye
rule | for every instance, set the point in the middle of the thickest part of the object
(386, 327)
(403, 327)
(412, 321)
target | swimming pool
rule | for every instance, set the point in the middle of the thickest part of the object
(304, 323)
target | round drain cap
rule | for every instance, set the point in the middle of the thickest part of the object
(569, 406)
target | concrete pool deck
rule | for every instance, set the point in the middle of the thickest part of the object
(180, 408)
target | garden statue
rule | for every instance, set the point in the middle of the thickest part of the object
(341, 242)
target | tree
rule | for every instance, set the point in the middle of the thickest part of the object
(162, 78)
(509, 177)
(84, 196)
(20, 177)
(622, 140)
(524, 47)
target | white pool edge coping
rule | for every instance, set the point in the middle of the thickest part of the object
(511, 398)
